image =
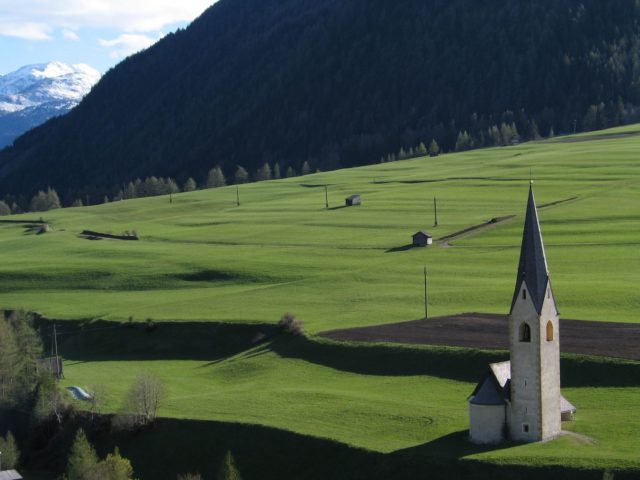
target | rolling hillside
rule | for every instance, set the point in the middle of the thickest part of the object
(338, 83)
(212, 275)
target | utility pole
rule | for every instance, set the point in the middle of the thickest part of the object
(237, 195)
(435, 211)
(54, 347)
(326, 197)
(426, 302)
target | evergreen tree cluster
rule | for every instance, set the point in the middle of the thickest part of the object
(20, 348)
(84, 464)
(338, 83)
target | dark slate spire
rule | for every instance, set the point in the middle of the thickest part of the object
(533, 265)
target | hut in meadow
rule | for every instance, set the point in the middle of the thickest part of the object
(422, 239)
(353, 200)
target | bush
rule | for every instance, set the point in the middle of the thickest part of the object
(290, 324)
(10, 452)
(143, 400)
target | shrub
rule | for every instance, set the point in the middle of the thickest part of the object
(290, 324)
(10, 452)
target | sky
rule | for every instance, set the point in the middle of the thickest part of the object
(99, 33)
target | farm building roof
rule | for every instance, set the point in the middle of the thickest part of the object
(10, 475)
(532, 268)
(351, 197)
(422, 232)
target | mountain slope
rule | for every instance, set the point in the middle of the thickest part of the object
(339, 83)
(34, 93)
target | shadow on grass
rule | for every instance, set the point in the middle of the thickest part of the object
(267, 453)
(468, 365)
(403, 248)
(339, 207)
(104, 340)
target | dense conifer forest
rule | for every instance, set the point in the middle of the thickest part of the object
(337, 83)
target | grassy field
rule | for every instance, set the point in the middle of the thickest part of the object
(202, 259)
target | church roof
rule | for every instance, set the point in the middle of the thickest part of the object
(494, 389)
(532, 267)
(566, 406)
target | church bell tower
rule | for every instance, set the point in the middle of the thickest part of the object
(534, 411)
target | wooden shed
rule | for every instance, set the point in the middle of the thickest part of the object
(422, 239)
(52, 365)
(353, 200)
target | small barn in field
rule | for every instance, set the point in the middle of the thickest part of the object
(52, 365)
(422, 239)
(353, 200)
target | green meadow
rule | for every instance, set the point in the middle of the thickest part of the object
(204, 262)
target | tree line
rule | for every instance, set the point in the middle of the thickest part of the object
(152, 186)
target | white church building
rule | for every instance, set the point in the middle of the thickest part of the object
(520, 399)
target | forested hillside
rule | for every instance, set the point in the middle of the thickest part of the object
(338, 83)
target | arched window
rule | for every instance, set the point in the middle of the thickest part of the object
(549, 331)
(525, 333)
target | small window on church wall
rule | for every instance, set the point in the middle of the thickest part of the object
(525, 333)
(549, 331)
(525, 427)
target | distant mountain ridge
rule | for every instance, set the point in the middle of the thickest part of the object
(34, 93)
(337, 83)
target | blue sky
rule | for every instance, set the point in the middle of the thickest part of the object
(99, 33)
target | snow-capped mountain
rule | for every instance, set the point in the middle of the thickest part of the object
(34, 93)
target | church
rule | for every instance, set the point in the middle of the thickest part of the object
(520, 399)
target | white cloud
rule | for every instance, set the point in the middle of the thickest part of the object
(127, 43)
(70, 35)
(36, 19)
(24, 29)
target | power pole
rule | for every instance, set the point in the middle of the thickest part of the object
(426, 302)
(435, 211)
(326, 197)
(237, 195)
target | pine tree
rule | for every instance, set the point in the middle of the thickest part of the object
(290, 172)
(10, 452)
(506, 133)
(53, 201)
(241, 176)
(4, 209)
(114, 467)
(216, 178)
(82, 458)
(306, 169)
(434, 148)
(263, 173)
(228, 470)
(464, 141)
(172, 186)
(402, 154)
(276, 171)
(130, 191)
(106, 199)
(189, 185)
(534, 133)
(422, 149)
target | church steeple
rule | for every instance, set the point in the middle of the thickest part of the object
(532, 268)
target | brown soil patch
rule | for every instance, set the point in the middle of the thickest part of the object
(490, 331)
